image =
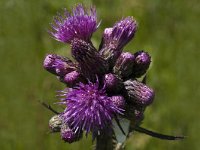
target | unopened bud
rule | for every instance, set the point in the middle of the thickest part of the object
(90, 61)
(115, 38)
(108, 49)
(124, 65)
(139, 93)
(105, 38)
(112, 83)
(72, 78)
(58, 65)
(120, 34)
(55, 123)
(68, 135)
(142, 62)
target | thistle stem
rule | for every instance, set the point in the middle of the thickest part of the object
(104, 142)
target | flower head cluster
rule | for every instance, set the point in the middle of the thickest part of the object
(102, 84)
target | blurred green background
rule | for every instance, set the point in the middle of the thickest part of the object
(168, 30)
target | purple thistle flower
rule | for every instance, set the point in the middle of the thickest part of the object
(120, 34)
(142, 62)
(79, 24)
(58, 65)
(114, 39)
(123, 31)
(89, 109)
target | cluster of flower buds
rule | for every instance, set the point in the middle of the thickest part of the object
(103, 83)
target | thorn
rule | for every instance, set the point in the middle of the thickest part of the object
(49, 107)
(158, 135)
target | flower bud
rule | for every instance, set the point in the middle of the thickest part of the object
(112, 83)
(115, 38)
(68, 135)
(55, 123)
(72, 78)
(90, 61)
(108, 49)
(142, 62)
(139, 93)
(58, 65)
(106, 35)
(118, 101)
(124, 65)
(123, 31)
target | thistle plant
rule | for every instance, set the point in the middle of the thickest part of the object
(104, 94)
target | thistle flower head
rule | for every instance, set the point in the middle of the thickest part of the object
(89, 109)
(115, 38)
(78, 24)
(121, 33)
